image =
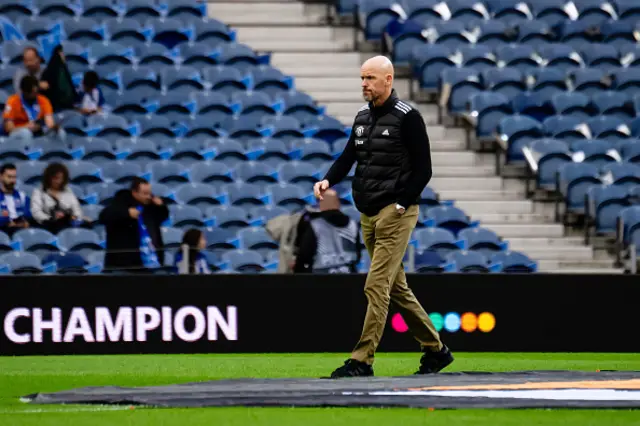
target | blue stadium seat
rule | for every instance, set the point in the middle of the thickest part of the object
(121, 172)
(551, 154)
(508, 82)
(514, 262)
(463, 83)
(266, 213)
(167, 172)
(373, 17)
(624, 175)
(38, 241)
(99, 9)
(241, 193)
(574, 179)
(296, 172)
(628, 81)
(288, 195)
(198, 194)
(603, 127)
(440, 240)
(450, 218)
(562, 57)
(226, 80)
(518, 131)
(482, 240)
(604, 204)
(21, 263)
(157, 54)
(615, 104)
(84, 172)
(565, 127)
(229, 217)
(469, 261)
(246, 261)
(478, 57)
(256, 238)
(428, 62)
(594, 151)
(211, 171)
(171, 237)
(211, 31)
(571, 103)
(518, 56)
(488, 109)
(185, 216)
(238, 55)
(255, 171)
(67, 263)
(172, 78)
(78, 240)
(534, 33)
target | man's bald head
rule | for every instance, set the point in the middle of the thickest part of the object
(377, 79)
(330, 201)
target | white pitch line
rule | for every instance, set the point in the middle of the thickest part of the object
(69, 409)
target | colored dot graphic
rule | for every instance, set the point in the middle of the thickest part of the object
(469, 322)
(452, 322)
(398, 324)
(437, 320)
(486, 322)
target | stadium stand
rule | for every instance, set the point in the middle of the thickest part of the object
(230, 135)
(550, 86)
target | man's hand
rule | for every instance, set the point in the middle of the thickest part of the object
(33, 126)
(157, 201)
(44, 85)
(134, 213)
(5, 213)
(319, 188)
(59, 215)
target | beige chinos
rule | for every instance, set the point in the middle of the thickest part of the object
(386, 236)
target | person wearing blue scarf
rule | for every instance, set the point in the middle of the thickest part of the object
(15, 213)
(195, 240)
(132, 221)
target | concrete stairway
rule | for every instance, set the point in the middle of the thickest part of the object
(324, 65)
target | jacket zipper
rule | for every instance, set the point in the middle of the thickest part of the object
(374, 120)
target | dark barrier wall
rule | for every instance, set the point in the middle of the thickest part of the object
(274, 313)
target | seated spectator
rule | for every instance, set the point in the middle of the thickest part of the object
(330, 241)
(29, 114)
(133, 220)
(15, 213)
(54, 206)
(32, 62)
(90, 99)
(196, 241)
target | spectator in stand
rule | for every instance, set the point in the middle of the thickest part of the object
(196, 241)
(29, 114)
(54, 206)
(32, 67)
(15, 213)
(133, 220)
(90, 99)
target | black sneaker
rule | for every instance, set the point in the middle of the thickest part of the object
(353, 368)
(432, 362)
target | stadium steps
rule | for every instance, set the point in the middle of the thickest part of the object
(318, 57)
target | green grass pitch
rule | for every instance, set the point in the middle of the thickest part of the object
(20, 376)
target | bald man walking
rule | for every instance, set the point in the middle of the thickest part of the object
(390, 147)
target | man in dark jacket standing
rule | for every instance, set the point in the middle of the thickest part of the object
(390, 147)
(132, 220)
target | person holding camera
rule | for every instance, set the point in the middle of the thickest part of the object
(54, 206)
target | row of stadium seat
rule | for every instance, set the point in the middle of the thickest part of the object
(223, 243)
(104, 8)
(402, 38)
(373, 16)
(521, 64)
